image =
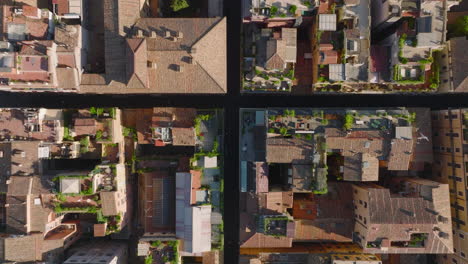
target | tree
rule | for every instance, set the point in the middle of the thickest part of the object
(459, 28)
(177, 5)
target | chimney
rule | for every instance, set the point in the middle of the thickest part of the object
(168, 34)
(153, 34)
(193, 50)
(174, 39)
(180, 68)
(190, 60)
(140, 33)
(152, 64)
(180, 34)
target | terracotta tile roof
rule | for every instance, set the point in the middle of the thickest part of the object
(351, 2)
(24, 158)
(67, 78)
(459, 63)
(262, 204)
(187, 65)
(328, 57)
(180, 117)
(100, 230)
(30, 11)
(327, 46)
(400, 154)
(371, 142)
(283, 50)
(67, 38)
(392, 216)
(137, 60)
(261, 177)
(16, 212)
(109, 203)
(35, 48)
(211, 257)
(182, 136)
(62, 6)
(85, 126)
(93, 79)
(361, 167)
(289, 150)
(302, 178)
(23, 248)
(66, 60)
(196, 184)
(339, 230)
(276, 201)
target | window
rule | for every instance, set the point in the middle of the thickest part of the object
(454, 261)
(365, 221)
(460, 193)
(457, 150)
(360, 202)
(461, 236)
(463, 254)
(360, 217)
(458, 179)
(365, 204)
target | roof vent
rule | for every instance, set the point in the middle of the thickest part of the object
(365, 164)
(140, 33)
(190, 60)
(168, 34)
(152, 64)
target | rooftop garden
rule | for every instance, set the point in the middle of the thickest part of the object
(416, 241)
(98, 112)
(68, 123)
(282, 12)
(401, 43)
(274, 225)
(409, 75)
(270, 80)
(113, 222)
(435, 72)
(320, 170)
(198, 122)
(85, 182)
(164, 252)
(104, 130)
